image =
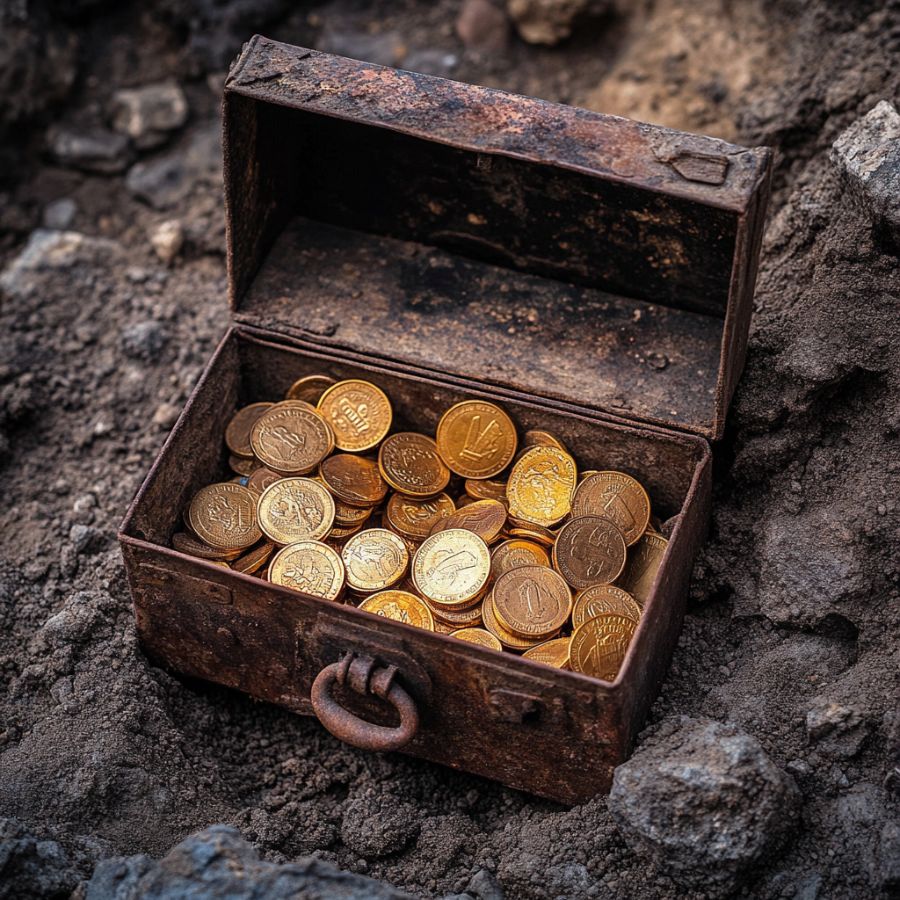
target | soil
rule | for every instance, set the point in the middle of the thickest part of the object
(794, 601)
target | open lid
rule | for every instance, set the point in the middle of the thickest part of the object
(459, 229)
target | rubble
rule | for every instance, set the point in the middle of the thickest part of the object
(167, 239)
(483, 25)
(150, 113)
(550, 21)
(90, 150)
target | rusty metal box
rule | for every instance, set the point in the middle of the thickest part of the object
(592, 274)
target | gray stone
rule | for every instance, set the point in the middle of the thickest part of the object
(482, 25)
(150, 113)
(30, 867)
(85, 538)
(837, 730)
(886, 869)
(550, 21)
(90, 150)
(703, 801)
(376, 827)
(60, 214)
(144, 340)
(484, 886)
(867, 154)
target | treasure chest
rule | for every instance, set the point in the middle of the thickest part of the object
(590, 274)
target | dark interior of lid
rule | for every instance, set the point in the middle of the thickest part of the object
(488, 267)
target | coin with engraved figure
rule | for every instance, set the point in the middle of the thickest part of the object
(309, 388)
(485, 518)
(359, 414)
(414, 518)
(410, 463)
(295, 509)
(224, 516)
(476, 439)
(644, 560)
(617, 497)
(400, 606)
(310, 567)
(374, 559)
(451, 567)
(604, 599)
(237, 431)
(514, 553)
(353, 479)
(291, 439)
(541, 484)
(589, 550)
(554, 653)
(507, 638)
(480, 636)
(599, 646)
(532, 601)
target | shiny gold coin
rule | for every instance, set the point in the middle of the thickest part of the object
(599, 646)
(237, 431)
(348, 516)
(476, 439)
(359, 414)
(353, 479)
(401, 607)
(617, 497)
(224, 516)
(241, 465)
(539, 438)
(468, 617)
(486, 489)
(291, 439)
(253, 559)
(551, 653)
(309, 388)
(507, 638)
(583, 476)
(219, 562)
(480, 636)
(451, 567)
(644, 560)
(409, 463)
(485, 518)
(532, 601)
(541, 484)
(514, 553)
(530, 531)
(340, 533)
(310, 567)
(187, 543)
(261, 477)
(443, 627)
(374, 559)
(295, 509)
(589, 550)
(604, 599)
(413, 518)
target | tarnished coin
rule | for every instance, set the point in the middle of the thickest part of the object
(237, 431)
(536, 437)
(507, 638)
(253, 559)
(359, 414)
(410, 463)
(589, 550)
(599, 646)
(531, 531)
(476, 439)
(353, 479)
(295, 509)
(451, 567)
(485, 518)
(468, 616)
(604, 599)
(514, 553)
(374, 559)
(478, 636)
(242, 465)
(617, 497)
(400, 606)
(261, 477)
(413, 518)
(310, 567)
(224, 516)
(486, 489)
(187, 543)
(309, 388)
(291, 439)
(532, 601)
(551, 653)
(541, 484)
(644, 560)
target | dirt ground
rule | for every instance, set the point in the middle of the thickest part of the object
(794, 601)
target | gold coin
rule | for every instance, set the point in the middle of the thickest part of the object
(413, 518)
(485, 489)
(485, 518)
(514, 553)
(410, 463)
(589, 550)
(241, 465)
(443, 628)
(253, 559)
(353, 479)
(310, 567)
(400, 606)
(617, 497)
(599, 646)
(507, 638)
(532, 601)
(374, 559)
(340, 533)
(539, 438)
(348, 516)
(451, 567)
(237, 431)
(224, 516)
(291, 439)
(476, 439)
(541, 484)
(261, 477)
(480, 636)
(554, 653)
(358, 412)
(309, 388)
(530, 531)
(467, 617)
(187, 543)
(295, 509)
(644, 560)
(602, 599)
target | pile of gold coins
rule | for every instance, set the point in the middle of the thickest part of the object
(473, 533)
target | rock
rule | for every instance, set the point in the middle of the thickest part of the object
(886, 869)
(704, 802)
(167, 239)
(867, 154)
(144, 340)
(482, 25)
(60, 214)
(484, 886)
(85, 538)
(90, 150)
(550, 21)
(148, 114)
(217, 863)
(839, 731)
(166, 415)
(30, 867)
(375, 827)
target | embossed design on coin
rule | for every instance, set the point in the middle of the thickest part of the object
(532, 601)
(452, 567)
(476, 439)
(589, 550)
(644, 560)
(514, 553)
(507, 638)
(309, 388)
(410, 463)
(224, 516)
(353, 479)
(603, 599)
(295, 509)
(485, 518)
(541, 484)
(401, 606)
(554, 653)
(261, 477)
(237, 432)
(413, 518)
(480, 636)
(617, 497)
(291, 439)
(374, 559)
(599, 646)
(310, 567)
(359, 414)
